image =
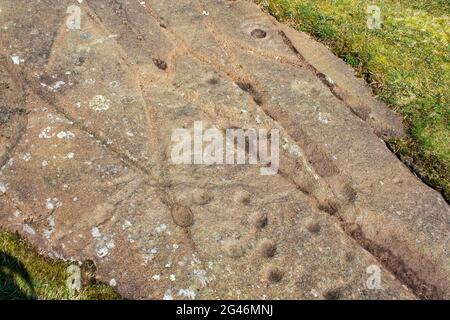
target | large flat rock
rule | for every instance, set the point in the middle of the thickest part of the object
(86, 173)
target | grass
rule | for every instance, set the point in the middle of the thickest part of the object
(25, 274)
(406, 62)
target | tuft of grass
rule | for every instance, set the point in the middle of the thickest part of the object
(406, 62)
(25, 274)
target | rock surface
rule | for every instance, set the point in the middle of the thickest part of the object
(86, 117)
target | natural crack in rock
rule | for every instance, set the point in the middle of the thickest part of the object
(86, 119)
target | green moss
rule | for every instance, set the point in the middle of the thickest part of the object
(406, 62)
(25, 274)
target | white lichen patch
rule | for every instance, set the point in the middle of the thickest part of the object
(29, 229)
(70, 155)
(45, 134)
(67, 135)
(293, 149)
(16, 59)
(130, 239)
(156, 277)
(51, 227)
(52, 203)
(114, 84)
(150, 255)
(195, 260)
(26, 157)
(89, 82)
(200, 274)
(111, 244)
(168, 295)
(126, 224)
(3, 187)
(104, 246)
(102, 252)
(57, 85)
(182, 262)
(329, 81)
(161, 228)
(99, 103)
(187, 294)
(95, 231)
(56, 119)
(324, 117)
(113, 282)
